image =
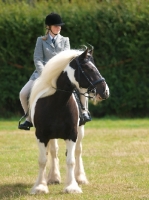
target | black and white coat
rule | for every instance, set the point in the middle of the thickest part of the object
(55, 115)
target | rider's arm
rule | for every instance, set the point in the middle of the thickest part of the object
(67, 44)
(38, 55)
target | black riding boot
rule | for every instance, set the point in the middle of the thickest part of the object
(25, 126)
(87, 117)
(84, 116)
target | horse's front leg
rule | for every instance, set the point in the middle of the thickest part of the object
(54, 174)
(40, 185)
(79, 168)
(71, 184)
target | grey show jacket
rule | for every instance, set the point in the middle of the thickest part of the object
(45, 50)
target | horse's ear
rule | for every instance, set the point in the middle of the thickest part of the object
(84, 54)
(91, 52)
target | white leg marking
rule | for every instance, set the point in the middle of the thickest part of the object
(54, 174)
(71, 184)
(40, 185)
(79, 168)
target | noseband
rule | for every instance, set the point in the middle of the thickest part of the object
(92, 86)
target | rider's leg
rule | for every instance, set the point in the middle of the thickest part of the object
(86, 114)
(24, 95)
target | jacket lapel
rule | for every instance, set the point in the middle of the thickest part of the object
(49, 41)
(58, 40)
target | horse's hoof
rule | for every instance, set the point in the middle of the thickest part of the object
(55, 179)
(39, 189)
(82, 180)
(72, 189)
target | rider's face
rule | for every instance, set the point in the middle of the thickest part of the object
(55, 29)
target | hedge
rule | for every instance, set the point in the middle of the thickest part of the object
(118, 30)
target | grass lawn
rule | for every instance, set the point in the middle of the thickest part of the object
(115, 155)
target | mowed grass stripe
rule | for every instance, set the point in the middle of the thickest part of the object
(115, 155)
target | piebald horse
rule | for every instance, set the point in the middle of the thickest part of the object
(55, 115)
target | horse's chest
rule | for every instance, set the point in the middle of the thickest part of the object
(54, 114)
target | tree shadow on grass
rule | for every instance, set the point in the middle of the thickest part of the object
(12, 191)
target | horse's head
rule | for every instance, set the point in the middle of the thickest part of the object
(88, 76)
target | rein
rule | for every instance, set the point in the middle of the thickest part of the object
(74, 92)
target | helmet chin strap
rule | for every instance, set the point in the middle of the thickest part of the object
(51, 31)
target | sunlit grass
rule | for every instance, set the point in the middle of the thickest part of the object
(115, 154)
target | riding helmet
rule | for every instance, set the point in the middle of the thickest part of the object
(53, 19)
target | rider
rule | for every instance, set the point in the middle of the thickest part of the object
(46, 47)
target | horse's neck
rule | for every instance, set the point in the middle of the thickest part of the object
(64, 86)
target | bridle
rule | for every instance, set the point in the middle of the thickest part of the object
(92, 85)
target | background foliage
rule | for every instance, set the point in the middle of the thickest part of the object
(118, 30)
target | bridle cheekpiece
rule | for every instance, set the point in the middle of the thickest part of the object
(92, 85)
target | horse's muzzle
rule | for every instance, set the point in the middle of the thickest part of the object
(103, 96)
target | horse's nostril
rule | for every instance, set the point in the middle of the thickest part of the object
(106, 93)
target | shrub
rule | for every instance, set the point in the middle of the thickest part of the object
(118, 30)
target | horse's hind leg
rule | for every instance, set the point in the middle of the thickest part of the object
(41, 184)
(79, 168)
(54, 174)
(71, 184)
